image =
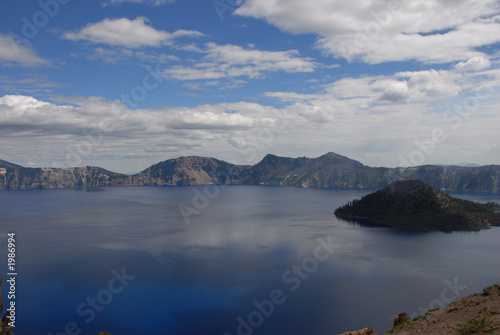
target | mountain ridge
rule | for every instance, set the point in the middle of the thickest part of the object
(328, 170)
(8, 165)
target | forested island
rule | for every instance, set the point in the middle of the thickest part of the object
(417, 206)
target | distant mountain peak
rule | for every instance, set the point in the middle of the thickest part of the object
(8, 165)
(467, 164)
(339, 159)
(184, 159)
(333, 154)
(270, 156)
(328, 170)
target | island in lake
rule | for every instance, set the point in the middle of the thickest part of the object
(417, 206)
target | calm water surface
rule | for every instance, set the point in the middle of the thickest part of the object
(252, 260)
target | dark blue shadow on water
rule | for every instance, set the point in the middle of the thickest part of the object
(362, 222)
(203, 278)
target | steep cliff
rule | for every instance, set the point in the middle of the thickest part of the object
(453, 178)
(190, 170)
(19, 178)
(329, 170)
(5, 329)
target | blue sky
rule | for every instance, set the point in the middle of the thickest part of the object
(123, 84)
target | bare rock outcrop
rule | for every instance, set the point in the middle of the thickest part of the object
(401, 319)
(5, 329)
(329, 170)
(364, 331)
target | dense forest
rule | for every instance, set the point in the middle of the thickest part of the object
(414, 205)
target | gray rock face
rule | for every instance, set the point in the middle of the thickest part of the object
(191, 170)
(5, 329)
(49, 178)
(364, 331)
(401, 319)
(329, 170)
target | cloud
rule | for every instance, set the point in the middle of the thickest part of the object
(27, 116)
(395, 91)
(290, 96)
(420, 85)
(210, 120)
(147, 2)
(13, 53)
(20, 103)
(402, 87)
(374, 119)
(110, 56)
(99, 130)
(28, 84)
(409, 88)
(231, 61)
(430, 31)
(121, 56)
(127, 33)
(474, 64)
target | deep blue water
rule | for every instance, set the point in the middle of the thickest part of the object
(252, 260)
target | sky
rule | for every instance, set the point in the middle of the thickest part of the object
(124, 84)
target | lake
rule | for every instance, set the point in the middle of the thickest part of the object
(225, 260)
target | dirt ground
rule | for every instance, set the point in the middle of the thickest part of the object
(477, 309)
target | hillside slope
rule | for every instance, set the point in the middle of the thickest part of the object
(192, 170)
(50, 178)
(478, 313)
(415, 205)
(8, 166)
(329, 170)
(452, 178)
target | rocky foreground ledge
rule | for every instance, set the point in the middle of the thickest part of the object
(5, 329)
(364, 331)
(478, 313)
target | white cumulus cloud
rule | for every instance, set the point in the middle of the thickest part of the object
(431, 31)
(227, 61)
(128, 33)
(420, 85)
(374, 119)
(474, 64)
(12, 52)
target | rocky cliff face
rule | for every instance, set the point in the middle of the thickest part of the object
(191, 170)
(453, 178)
(49, 178)
(5, 329)
(329, 170)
